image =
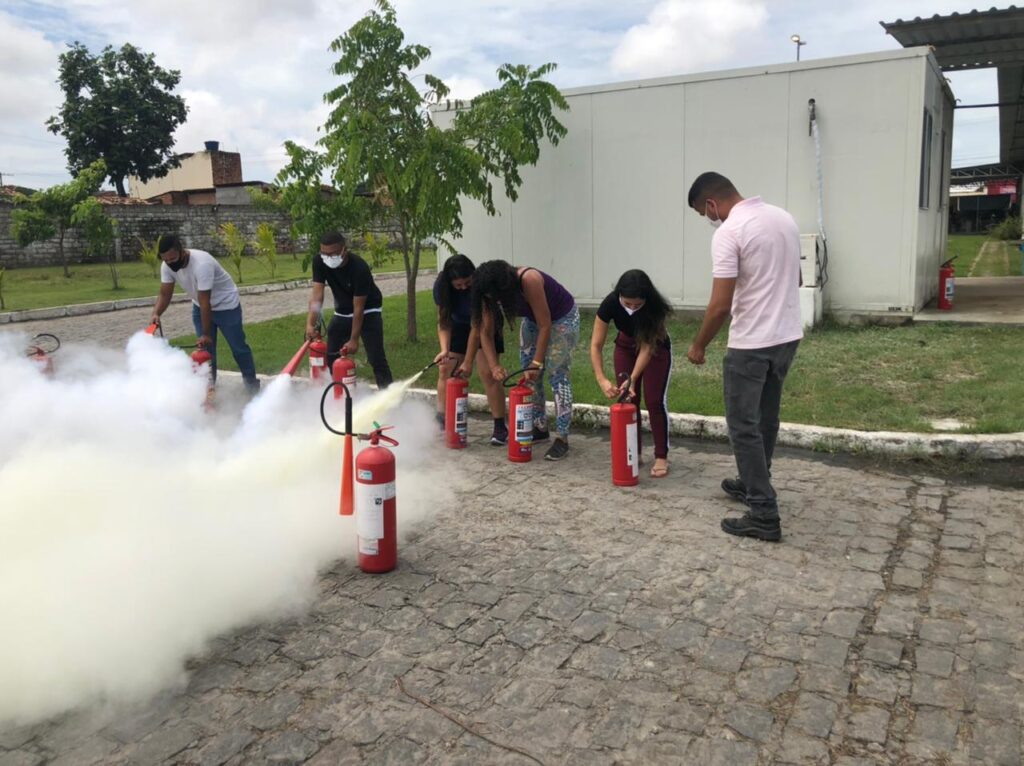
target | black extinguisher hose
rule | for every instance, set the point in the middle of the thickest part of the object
(348, 409)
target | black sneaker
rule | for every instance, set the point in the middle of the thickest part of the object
(749, 526)
(540, 436)
(558, 449)
(499, 437)
(735, 489)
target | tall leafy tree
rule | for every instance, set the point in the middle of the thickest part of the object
(49, 213)
(380, 132)
(119, 106)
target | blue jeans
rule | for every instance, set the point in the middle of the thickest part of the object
(229, 322)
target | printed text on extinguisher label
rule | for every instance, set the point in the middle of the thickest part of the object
(524, 422)
(370, 500)
(316, 361)
(632, 452)
(460, 415)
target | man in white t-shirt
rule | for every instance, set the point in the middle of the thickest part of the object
(756, 279)
(215, 303)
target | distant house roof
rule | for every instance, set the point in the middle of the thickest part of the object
(112, 198)
(11, 190)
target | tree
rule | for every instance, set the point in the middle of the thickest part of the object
(313, 209)
(98, 230)
(380, 132)
(265, 245)
(49, 212)
(120, 107)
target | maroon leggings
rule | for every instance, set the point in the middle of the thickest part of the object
(652, 386)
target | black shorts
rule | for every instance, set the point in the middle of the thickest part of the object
(460, 339)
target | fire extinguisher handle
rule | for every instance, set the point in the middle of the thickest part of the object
(510, 381)
(626, 395)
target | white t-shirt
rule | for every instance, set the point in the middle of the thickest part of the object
(204, 273)
(759, 245)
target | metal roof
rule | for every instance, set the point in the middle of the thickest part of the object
(980, 173)
(979, 40)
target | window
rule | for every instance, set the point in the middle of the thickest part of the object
(926, 161)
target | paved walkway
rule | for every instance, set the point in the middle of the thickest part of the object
(113, 328)
(584, 624)
(982, 300)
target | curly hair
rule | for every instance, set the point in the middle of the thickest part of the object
(495, 289)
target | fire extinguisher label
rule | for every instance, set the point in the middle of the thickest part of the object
(349, 381)
(364, 475)
(316, 361)
(949, 288)
(632, 450)
(369, 547)
(524, 422)
(460, 415)
(369, 501)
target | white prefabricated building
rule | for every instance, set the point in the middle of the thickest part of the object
(612, 195)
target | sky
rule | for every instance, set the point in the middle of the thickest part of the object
(253, 72)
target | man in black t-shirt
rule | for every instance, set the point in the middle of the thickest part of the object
(357, 306)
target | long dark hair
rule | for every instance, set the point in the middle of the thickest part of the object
(456, 267)
(495, 289)
(648, 322)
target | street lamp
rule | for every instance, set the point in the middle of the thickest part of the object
(796, 39)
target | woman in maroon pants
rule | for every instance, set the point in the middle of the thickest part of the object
(643, 353)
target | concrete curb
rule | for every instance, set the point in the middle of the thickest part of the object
(81, 309)
(815, 438)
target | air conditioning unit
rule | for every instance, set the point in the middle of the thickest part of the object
(810, 259)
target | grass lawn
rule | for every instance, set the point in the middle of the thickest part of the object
(965, 248)
(872, 378)
(38, 287)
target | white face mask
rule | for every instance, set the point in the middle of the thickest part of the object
(332, 261)
(714, 222)
(628, 310)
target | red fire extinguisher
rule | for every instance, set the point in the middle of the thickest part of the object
(376, 535)
(344, 371)
(625, 442)
(520, 418)
(200, 357)
(946, 285)
(44, 345)
(456, 412)
(317, 358)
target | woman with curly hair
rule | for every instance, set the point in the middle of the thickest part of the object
(549, 332)
(454, 312)
(643, 353)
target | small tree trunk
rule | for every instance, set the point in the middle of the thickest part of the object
(410, 286)
(60, 250)
(119, 185)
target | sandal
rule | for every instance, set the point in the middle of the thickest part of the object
(659, 473)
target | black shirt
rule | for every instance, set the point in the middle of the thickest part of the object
(462, 308)
(612, 312)
(353, 279)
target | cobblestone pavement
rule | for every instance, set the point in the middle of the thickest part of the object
(113, 328)
(585, 624)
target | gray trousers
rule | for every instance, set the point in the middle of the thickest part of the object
(752, 380)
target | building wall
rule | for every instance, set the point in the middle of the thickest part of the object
(201, 170)
(612, 195)
(197, 224)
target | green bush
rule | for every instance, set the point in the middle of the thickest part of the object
(265, 246)
(1008, 229)
(234, 242)
(2, 304)
(148, 255)
(375, 250)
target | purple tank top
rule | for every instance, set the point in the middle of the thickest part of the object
(560, 300)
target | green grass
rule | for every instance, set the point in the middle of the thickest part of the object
(39, 287)
(965, 248)
(999, 259)
(872, 378)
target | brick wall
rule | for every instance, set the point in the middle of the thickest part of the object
(227, 167)
(197, 225)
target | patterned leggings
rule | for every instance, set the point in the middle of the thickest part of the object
(565, 334)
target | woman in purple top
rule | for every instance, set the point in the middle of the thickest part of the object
(547, 337)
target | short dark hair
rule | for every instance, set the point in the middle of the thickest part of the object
(332, 238)
(708, 185)
(169, 242)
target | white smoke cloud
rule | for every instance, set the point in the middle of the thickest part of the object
(687, 35)
(134, 527)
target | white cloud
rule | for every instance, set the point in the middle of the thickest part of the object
(687, 35)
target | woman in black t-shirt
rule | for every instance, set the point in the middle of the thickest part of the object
(454, 311)
(643, 353)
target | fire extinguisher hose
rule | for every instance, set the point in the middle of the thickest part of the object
(510, 379)
(40, 341)
(348, 409)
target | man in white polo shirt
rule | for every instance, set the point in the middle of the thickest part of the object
(756, 278)
(215, 303)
